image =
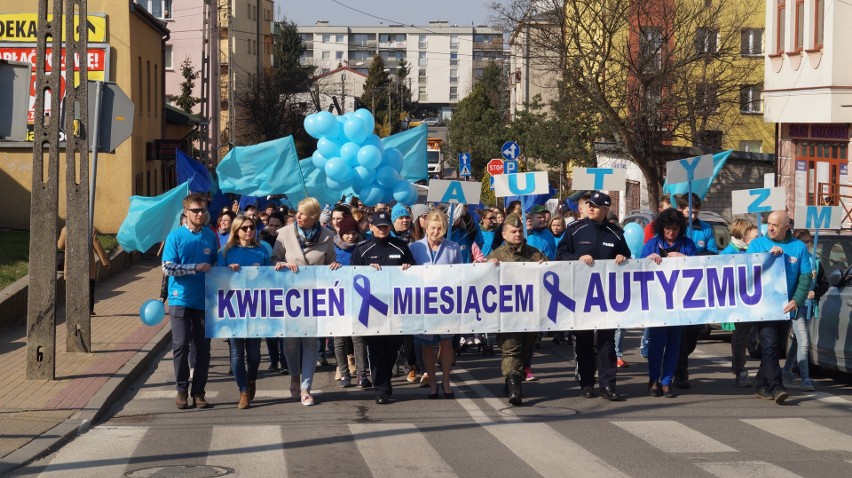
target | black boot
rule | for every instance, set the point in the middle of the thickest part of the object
(513, 389)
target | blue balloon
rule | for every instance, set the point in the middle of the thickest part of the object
(393, 158)
(338, 169)
(635, 237)
(338, 186)
(319, 160)
(404, 192)
(325, 123)
(355, 130)
(311, 126)
(328, 147)
(369, 156)
(371, 194)
(367, 117)
(152, 312)
(387, 177)
(349, 152)
(362, 176)
(374, 140)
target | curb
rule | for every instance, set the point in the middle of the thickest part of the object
(83, 420)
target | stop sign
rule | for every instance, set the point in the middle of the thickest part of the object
(495, 167)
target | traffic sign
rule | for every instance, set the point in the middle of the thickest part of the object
(495, 167)
(510, 167)
(510, 150)
(464, 165)
(117, 113)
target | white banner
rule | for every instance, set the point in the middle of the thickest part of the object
(599, 179)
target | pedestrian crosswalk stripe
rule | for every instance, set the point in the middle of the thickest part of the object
(169, 394)
(737, 469)
(804, 432)
(379, 445)
(673, 437)
(102, 451)
(254, 450)
(833, 400)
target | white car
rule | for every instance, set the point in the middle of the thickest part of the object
(431, 121)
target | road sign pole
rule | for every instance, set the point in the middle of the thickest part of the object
(93, 178)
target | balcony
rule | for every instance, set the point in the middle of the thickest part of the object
(393, 45)
(363, 45)
(487, 46)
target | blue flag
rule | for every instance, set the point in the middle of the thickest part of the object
(532, 200)
(262, 169)
(150, 219)
(699, 186)
(193, 171)
(412, 144)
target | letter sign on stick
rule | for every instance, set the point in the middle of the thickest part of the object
(454, 192)
(819, 217)
(521, 184)
(689, 169)
(754, 201)
(598, 179)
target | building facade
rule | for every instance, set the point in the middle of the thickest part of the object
(808, 96)
(445, 60)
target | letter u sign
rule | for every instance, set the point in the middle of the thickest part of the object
(521, 184)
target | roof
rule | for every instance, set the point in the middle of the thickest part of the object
(175, 115)
(338, 69)
(146, 16)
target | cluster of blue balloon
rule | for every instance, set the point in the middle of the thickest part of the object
(350, 155)
(152, 312)
(635, 237)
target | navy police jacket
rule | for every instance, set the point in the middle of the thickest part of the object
(601, 241)
(389, 251)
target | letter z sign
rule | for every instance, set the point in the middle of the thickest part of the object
(753, 201)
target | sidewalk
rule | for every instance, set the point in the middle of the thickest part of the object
(38, 416)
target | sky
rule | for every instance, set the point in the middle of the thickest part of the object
(364, 12)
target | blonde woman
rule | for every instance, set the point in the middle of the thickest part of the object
(243, 249)
(434, 249)
(304, 243)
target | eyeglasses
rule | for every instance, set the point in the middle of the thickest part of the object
(247, 228)
(490, 218)
(197, 210)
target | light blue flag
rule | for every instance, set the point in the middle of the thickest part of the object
(193, 171)
(699, 186)
(262, 169)
(150, 219)
(412, 144)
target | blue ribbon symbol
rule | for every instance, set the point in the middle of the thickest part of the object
(557, 297)
(361, 284)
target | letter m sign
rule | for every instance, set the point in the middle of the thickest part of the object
(819, 217)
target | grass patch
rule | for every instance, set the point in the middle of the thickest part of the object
(108, 241)
(14, 256)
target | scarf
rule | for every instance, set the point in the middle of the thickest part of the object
(739, 243)
(307, 238)
(341, 244)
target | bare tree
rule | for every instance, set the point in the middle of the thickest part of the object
(654, 71)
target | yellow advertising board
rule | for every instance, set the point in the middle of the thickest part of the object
(22, 27)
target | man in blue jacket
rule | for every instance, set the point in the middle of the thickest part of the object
(773, 334)
(700, 232)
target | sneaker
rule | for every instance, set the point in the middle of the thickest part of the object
(621, 363)
(365, 383)
(412, 375)
(200, 401)
(763, 393)
(322, 362)
(273, 367)
(182, 400)
(588, 392)
(807, 386)
(610, 394)
(528, 375)
(780, 395)
(285, 371)
(789, 376)
(345, 382)
(307, 399)
(424, 380)
(742, 380)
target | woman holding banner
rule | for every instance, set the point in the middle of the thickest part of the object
(305, 243)
(243, 249)
(664, 342)
(434, 249)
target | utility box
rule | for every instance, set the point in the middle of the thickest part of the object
(15, 80)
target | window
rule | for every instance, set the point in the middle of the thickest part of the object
(421, 92)
(751, 41)
(800, 25)
(454, 59)
(357, 56)
(705, 41)
(454, 42)
(423, 61)
(421, 75)
(454, 93)
(477, 72)
(423, 42)
(169, 57)
(780, 26)
(338, 55)
(819, 23)
(338, 39)
(650, 49)
(159, 8)
(326, 38)
(326, 55)
(148, 85)
(361, 39)
(707, 99)
(824, 162)
(454, 76)
(750, 99)
(751, 146)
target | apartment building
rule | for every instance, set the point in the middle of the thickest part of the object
(444, 59)
(807, 95)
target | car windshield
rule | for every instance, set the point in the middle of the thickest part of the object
(835, 252)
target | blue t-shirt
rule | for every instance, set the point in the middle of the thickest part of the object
(245, 256)
(703, 237)
(797, 260)
(542, 243)
(186, 247)
(487, 241)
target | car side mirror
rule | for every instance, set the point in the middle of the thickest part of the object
(836, 278)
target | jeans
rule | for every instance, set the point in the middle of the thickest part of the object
(275, 347)
(799, 347)
(188, 327)
(769, 374)
(245, 351)
(305, 367)
(619, 343)
(643, 347)
(663, 352)
(739, 338)
(342, 346)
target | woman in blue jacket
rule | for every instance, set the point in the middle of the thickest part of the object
(664, 342)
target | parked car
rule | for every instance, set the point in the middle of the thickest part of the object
(431, 121)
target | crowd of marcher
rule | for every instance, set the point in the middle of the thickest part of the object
(350, 234)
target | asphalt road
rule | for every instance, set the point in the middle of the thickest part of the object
(713, 429)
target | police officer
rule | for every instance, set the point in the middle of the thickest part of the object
(588, 240)
(515, 345)
(382, 250)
